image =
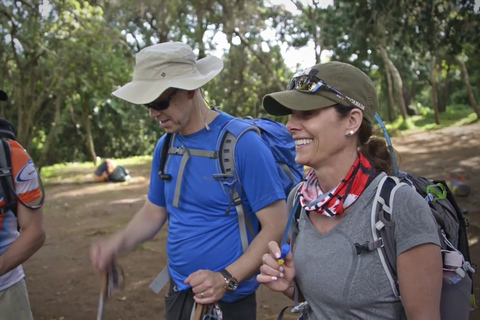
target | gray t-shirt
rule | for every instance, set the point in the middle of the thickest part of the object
(337, 282)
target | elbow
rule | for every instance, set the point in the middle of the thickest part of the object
(42, 237)
(38, 238)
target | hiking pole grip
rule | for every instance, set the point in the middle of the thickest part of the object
(199, 311)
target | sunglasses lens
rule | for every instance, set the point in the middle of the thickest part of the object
(159, 106)
(305, 83)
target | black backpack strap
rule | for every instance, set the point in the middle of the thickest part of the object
(163, 159)
(462, 234)
(6, 178)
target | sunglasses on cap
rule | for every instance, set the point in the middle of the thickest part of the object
(311, 84)
(161, 105)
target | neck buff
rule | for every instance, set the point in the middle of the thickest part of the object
(342, 196)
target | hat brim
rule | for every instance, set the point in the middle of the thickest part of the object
(143, 92)
(3, 96)
(283, 102)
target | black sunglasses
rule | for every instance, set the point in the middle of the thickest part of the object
(311, 84)
(161, 105)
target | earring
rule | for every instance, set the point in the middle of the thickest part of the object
(350, 133)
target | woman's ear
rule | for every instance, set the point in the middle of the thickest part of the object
(354, 121)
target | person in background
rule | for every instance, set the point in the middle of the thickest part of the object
(108, 170)
(332, 108)
(206, 262)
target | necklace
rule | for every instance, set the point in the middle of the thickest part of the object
(205, 120)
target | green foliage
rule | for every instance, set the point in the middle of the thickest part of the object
(455, 115)
(61, 59)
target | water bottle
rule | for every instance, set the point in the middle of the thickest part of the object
(452, 267)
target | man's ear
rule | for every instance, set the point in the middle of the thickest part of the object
(191, 94)
(354, 120)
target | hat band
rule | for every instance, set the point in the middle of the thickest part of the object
(165, 72)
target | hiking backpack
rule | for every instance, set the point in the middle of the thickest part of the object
(119, 174)
(273, 133)
(456, 299)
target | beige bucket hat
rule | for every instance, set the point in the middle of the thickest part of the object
(167, 65)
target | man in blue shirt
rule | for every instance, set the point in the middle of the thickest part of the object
(206, 262)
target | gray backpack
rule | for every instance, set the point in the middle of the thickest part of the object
(457, 299)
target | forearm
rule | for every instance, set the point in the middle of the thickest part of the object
(144, 226)
(273, 220)
(30, 240)
(249, 263)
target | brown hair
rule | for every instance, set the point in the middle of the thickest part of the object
(373, 148)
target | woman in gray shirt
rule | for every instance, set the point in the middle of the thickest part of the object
(332, 108)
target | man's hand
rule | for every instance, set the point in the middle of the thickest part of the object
(208, 286)
(102, 253)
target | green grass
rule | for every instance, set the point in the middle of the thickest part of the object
(458, 115)
(76, 171)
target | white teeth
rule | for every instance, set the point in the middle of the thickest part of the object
(301, 142)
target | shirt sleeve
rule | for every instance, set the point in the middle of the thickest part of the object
(156, 194)
(25, 176)
(414, 221)
(258, 171)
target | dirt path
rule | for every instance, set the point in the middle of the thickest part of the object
(63, 285)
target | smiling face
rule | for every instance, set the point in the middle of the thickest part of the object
(321, 137)
(180, 114)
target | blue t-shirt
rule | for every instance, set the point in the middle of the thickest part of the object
(200, 233)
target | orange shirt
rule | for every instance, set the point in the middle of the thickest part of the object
(25, 178)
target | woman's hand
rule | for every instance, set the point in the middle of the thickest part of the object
(275, 277)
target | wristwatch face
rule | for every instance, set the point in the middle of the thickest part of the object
(232, 284)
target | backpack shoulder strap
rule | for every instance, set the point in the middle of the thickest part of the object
(227, 143)
(168, 148)
(163, 159)
(383, 228)
(228, 176)
(6, 178)
(291, 202)
(291, 231)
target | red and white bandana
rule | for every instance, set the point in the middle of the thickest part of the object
(342, 196)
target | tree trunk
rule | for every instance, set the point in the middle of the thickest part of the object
(88, 129)
(446, 92)
(391, 100)
(52, 135)
(397, 80)
(433, 80)
(466, 79)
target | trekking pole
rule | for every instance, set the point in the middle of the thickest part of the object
(103, 294)
(200, 311)
(111, 280)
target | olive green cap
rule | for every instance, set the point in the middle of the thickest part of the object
(344, 77)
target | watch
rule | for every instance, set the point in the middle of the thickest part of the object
(231, 283)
